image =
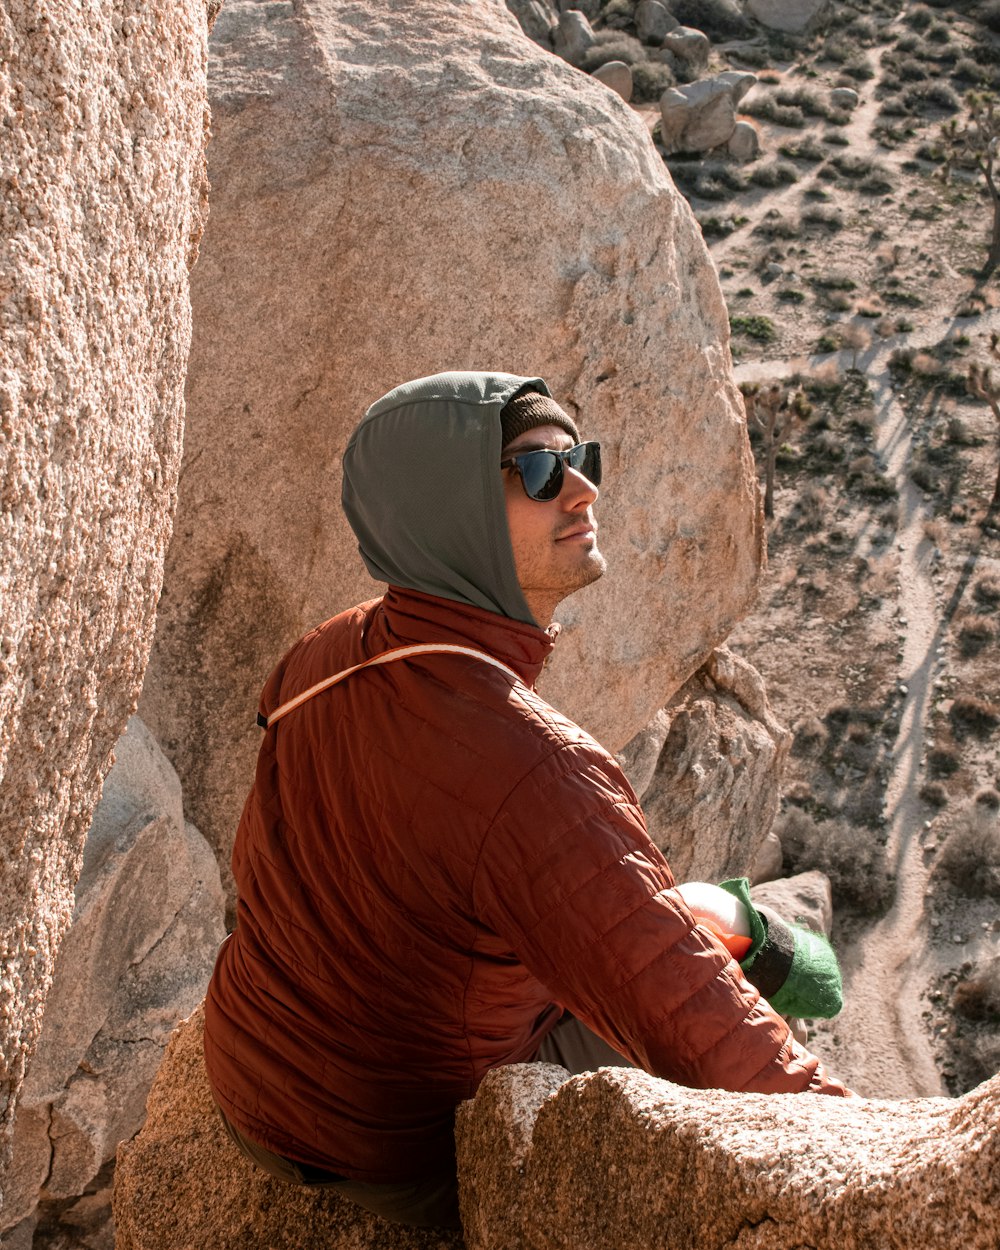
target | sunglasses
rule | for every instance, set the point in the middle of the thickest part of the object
(542, 471)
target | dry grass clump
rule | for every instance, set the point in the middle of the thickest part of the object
(978, 997)
(970, 859)
(986, 591)
(934, 794)
(943, 761)
(970, 715)
(774, 174)
(974, 632)
(849, 855)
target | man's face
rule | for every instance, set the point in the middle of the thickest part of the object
(554, 542)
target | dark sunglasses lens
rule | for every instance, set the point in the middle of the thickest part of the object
(586, 459)
(542, 474)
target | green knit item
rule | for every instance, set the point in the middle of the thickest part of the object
(813, 988)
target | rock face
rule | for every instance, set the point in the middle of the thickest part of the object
(538, 18)
(744, 142)
(619, 1159)
(803, 899)
(617, 76)
(573, 36)
(689, 46)
(537, 229)
(653, 21)
(707, 770)
(182, 1183)
(792, 16)
(102, 120)
(702, 115)
(146, 927)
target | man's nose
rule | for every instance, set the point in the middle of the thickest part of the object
(577, 490)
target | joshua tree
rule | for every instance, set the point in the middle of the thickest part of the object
(770, 410)
(980, 383)
(975, 143)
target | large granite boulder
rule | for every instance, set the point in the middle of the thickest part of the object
(619, 1160)
(398, 189)
(707, 771)
(102, 129)
(146, 926)
(616, 1160)
(182, 1183)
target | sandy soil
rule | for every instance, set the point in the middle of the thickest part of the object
(861, 607)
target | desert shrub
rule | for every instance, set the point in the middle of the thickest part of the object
(919, 17)
(862, 29)
(809, 736)
(650, 79)
(848, 855)
(970, 859)
(978, 996)
(938, 32)
(834, 282)
(811, 508)
(612, 45)
(943, 761)
(909, 41)
(791, 295)
(974, 632)
(774, 174)
(826, 451)
(972, 715)
(805, 98)
(828, 218)
(989, 15)
(827, 343)
(754, 326)
(912, 70)
(894, 106)
(958, 433)
(938, 94)
(988, 798)
(857, 67)
(774, 226)
(987, 591)
(836, 140)
(966, 70)
(934, 794)
(807, 149)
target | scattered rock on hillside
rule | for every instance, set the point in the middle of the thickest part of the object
(803, 899)
(744, 142)
(531, 162)
(573, 37)
(617, 76)
(689, 46)
(702, 115)
(719, 19)
(653, 21)
(791, 16)
(844, 98)
(538, 19)
(620, 1159)
(102, 123)
(146, 927)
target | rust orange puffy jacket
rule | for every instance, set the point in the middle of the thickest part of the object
(431, 864)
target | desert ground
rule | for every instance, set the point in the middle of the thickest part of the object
(854, 272)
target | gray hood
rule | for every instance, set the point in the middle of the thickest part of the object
(424, 494)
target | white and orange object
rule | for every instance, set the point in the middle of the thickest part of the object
(724, 915)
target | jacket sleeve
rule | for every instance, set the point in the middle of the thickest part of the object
(568, 876)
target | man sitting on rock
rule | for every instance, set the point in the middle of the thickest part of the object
(438, 873)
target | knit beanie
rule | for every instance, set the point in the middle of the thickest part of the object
(529, 409)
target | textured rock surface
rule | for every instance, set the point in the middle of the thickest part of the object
(573, 36)
(102, 117)
(619, 1159)
(803, 899)
(653, 21)
(744, 142)
(146, 926)
(617, 76)
(689, 46)
(405, 162)
(702, 115)
(182, 1183)
(707, 770)
(791, 16)
(538, 18)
